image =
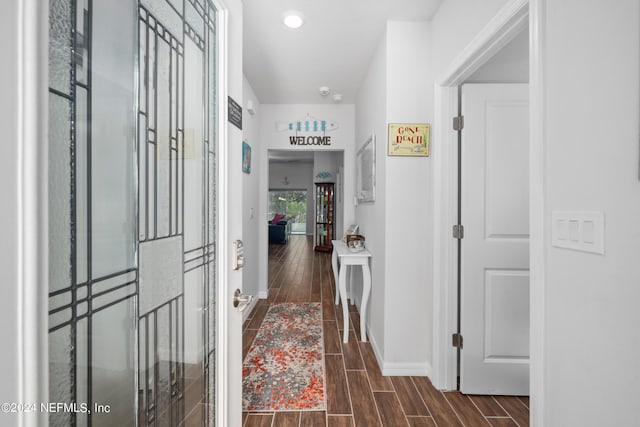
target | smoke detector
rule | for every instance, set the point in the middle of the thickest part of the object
(324, 90)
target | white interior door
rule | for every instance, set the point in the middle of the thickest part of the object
(495, 247)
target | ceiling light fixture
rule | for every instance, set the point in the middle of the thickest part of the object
(324, 90)
(337, 98)
(293, 19)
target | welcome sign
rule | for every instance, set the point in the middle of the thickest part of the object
(308, 131)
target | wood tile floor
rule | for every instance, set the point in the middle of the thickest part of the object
(357, 393)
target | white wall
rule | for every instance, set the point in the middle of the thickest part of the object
(592, 344)
(342, 138)
(371, 118)
(510, 65)
(455, 24)
(300, 177)
(398, 89)
(408, 204)
(250, 218)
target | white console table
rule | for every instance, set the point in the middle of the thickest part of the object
(341, 258)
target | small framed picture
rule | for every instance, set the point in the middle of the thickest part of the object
(246, 157)
(408, 139)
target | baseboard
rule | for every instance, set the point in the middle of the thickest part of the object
(249, 309)
(263, 294)
(406, 369)
(395, 369)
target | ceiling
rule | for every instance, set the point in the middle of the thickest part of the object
(333, 48)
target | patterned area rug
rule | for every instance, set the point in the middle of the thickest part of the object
(284, 369)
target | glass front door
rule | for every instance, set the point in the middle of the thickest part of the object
(132, 207)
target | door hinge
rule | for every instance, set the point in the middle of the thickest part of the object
(458, 231)
(456, 340)
(458, 123)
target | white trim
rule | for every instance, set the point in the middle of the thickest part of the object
(537, 190)
(393, 369)
(222, 373)
(445, 253)
(254, 301)
(32, 207)
(506, 25)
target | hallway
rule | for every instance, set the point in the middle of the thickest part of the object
(356, 392)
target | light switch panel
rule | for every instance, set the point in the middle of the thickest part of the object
(578, 230)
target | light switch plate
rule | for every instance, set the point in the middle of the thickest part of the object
(578, 230)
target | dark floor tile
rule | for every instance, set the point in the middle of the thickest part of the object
(313, 419)
(339, 421)
(259, 316)
(337, 393)
(502, 422)
(247, 339)
(390, 409)
(378, 382)
(515, 408)
(410, 400)
(332, 343)
(421, 422)
(286, 419)
(355, 323)
(466, 410)
(259, 420)
(328, 307)
(364, 404)
(488, 406)
(438, 405)
(525, 400)
(351, 351)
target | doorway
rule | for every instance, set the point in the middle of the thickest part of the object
(133, 211)
(512, 21)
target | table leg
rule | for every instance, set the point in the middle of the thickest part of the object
(334, 265)
(366, 289)
(342, 284)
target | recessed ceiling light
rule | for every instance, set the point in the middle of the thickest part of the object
(293, 19)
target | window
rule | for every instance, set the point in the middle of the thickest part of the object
(292, 204)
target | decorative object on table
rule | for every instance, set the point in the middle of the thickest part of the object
(246, 157)
(355, 242)
(408, 139)
(353, 229)
(366, 171)
(325, 216)
(284, 368)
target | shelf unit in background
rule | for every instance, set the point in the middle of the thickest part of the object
(325, 216)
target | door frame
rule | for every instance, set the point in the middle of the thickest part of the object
(505, 25)
(24, 174)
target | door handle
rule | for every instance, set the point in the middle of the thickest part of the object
(237, 254)
(241, 301)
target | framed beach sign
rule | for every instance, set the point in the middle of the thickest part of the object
(408, 139)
